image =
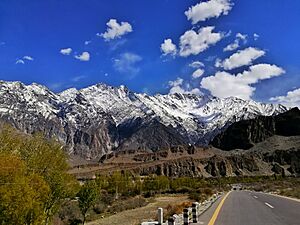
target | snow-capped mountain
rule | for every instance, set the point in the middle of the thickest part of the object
(101, 118)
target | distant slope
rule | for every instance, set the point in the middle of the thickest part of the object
(275, 155)
(245, 134)
(260, 146)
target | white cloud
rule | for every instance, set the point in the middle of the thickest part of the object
(126, 63)
(87, 42)
(241, 58)
(209, 9)
(198, 73)
(66, 51)
(168, 47)
(196, 64)
(24, 59)
(29, 58)
(236, 44)
(195, 91)
(192, 43)
(233, 46)
(85, 56)
(177, 82)
(20, 61)
(242, 37)
(176, 89)
(224, 84)
(176, 86)
(255, 36)
(115, 30)
(291, 99)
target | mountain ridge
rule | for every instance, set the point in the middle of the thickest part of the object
(100, 118)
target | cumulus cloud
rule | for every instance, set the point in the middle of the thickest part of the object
(240, 58)
(115, 30)
(66, 51)
(84, 56)
(224, 84)
(126, 63)
(198, 73)
(168, 48)
(209, 9)
(177, 86)
(192, 42)
(291, 99)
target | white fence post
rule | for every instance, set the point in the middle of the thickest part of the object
(160, 216)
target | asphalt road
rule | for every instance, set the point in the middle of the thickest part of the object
(252, 208)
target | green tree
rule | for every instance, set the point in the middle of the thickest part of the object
(87, 197)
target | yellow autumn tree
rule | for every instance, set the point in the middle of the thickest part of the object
(33, 178)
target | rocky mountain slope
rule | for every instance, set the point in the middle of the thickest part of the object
(271, 146)
(245, 134)
(100, 119)
(275, 155)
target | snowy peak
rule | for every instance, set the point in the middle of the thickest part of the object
(76, 113)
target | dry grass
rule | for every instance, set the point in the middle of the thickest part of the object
(147, 213)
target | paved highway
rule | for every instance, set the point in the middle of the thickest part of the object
(252, 208)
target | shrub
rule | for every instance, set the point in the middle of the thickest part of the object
(176, 209)
(99, 208)
(69, 213)
(131, 203)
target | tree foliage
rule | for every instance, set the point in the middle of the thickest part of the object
(87, 197)
(33, 178)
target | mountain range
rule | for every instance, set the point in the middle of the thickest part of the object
(100, 119)
(263, 146)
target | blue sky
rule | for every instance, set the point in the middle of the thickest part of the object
(266, 67)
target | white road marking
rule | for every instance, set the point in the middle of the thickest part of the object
(255, 196)
(267, 204)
